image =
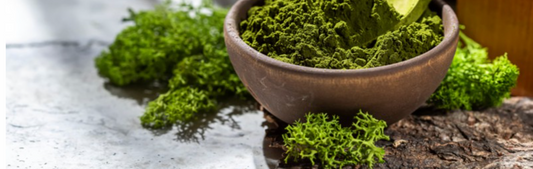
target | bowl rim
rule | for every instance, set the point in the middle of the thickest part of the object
(449, 21)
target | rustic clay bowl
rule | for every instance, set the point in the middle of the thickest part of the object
(388, 92)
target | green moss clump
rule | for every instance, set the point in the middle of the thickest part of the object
(473, 81)
(322, 138)
(344, 34)
(177, 105)
(184, 45)
(151, 48)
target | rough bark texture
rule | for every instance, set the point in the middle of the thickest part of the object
(490, 138)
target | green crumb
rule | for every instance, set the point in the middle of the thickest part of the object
(473, 81)
(181, 44)
(321, 138)
(344, 34)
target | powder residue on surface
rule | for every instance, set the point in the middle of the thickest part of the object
(337, 34)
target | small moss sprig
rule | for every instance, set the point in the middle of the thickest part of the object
(473, 81)
(322, 138)
(181, 104)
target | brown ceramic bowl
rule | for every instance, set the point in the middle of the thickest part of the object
(388, 92)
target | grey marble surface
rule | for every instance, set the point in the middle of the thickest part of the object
(74, 20)
(61, 114)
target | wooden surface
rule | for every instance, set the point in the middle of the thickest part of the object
(492, 138)
(503, 26)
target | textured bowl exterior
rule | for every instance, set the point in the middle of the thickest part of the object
(388, 92)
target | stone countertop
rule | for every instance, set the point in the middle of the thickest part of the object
(61, 114)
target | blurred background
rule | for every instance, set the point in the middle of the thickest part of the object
(64, 20)
(501, 26)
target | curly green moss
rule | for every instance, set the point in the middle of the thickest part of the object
(177, 105)
(341, 34)
(184, 45)
(213, 74)
(473, 81)
(150, 48)
(322, 138)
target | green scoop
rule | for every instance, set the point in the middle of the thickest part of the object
(411, 10)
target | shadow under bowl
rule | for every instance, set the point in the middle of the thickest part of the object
(388, 92)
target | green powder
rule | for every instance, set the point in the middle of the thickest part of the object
(338, 34)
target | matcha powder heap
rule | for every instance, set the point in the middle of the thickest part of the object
(338, 34)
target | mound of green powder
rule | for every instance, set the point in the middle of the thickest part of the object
(337, 34)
